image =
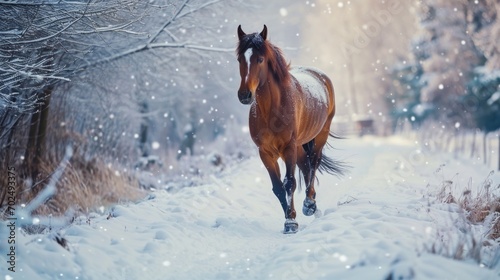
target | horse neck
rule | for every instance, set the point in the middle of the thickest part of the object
(268, 96)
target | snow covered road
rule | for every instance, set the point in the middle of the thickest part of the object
(376, 223)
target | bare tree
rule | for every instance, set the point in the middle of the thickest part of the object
(41, 43)
(88, 49)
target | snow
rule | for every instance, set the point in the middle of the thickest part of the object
(376, 223)
(494, 98)
(310, 83)
(422, 108)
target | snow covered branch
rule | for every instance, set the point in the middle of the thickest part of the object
(24, 214)
(159, 46)
(43, 40)
(164, 30)
(154, 37)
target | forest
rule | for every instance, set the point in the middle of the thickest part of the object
(125, 152)
(144, 92)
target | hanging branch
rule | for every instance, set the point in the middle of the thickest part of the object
(150, 45)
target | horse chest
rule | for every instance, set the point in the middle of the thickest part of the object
(273, 132)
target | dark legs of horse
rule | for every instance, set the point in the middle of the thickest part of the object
(291, 225)
(272, 167)
(290, 184)
(308, 162)
(283, 190)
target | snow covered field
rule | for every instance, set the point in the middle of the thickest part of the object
(375, 224)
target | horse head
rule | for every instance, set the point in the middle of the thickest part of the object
(252, 58)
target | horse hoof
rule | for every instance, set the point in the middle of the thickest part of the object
(309, 207)
(291, 226)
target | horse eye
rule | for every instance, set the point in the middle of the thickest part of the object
(260, 60)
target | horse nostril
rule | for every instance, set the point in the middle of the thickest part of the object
(245, 96)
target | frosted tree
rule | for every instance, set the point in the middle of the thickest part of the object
(459, 56)
(484, 87)
(451, 56)
(485, 26)
(45, 43)
(405, 87)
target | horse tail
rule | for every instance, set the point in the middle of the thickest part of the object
(331, 166)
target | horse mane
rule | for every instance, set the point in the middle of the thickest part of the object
(276, 61)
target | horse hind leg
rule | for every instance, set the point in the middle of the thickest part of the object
(309, 164)
(316, 153)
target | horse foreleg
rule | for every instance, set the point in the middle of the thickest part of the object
(289, 184)
(271, 164)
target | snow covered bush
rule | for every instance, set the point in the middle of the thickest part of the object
(473, 232)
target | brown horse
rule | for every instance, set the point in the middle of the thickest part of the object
(290, 116)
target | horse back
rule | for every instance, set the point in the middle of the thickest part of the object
(315, 88)
(316, 102)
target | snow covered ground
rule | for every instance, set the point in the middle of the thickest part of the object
(375, 224)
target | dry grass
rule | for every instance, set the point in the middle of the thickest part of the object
(84, 187)
(462, 240)
(483, 208)
(87, 183)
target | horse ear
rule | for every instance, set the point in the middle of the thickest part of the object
(263, 34)
(240, 32)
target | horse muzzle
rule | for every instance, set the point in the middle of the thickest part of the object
(245, 96)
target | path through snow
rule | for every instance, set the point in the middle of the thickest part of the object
(375, 224)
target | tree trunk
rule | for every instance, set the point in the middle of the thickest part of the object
(30, 146)
(498, 151)
(143, 133)
(6, 148)
(42, 131)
